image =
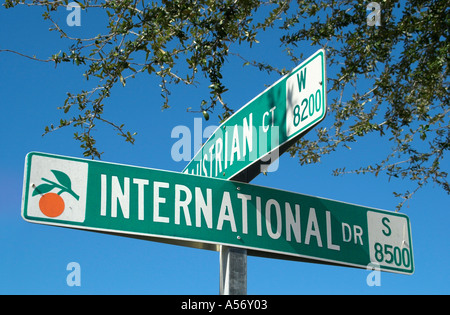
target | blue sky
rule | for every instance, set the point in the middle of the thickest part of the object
(33, 258)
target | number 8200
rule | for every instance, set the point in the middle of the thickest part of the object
(308, 107)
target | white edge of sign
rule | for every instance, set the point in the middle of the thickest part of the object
(190, 240)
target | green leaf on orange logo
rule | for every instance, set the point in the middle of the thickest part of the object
(42, 189)
(64, 185)
(63, 179)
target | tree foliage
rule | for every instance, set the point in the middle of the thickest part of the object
(404, 61)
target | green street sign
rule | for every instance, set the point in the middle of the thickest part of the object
(206, 212)
(266, 126)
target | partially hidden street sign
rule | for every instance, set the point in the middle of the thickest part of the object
(266, 126)
(205, 212)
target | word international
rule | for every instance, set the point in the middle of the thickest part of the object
(206, 212)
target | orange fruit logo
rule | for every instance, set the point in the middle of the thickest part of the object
(52, 204)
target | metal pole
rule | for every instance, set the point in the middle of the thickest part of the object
(233, 270)
(233, 260)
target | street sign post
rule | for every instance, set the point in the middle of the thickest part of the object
(206, 212)
(253, 138)
(266, 126)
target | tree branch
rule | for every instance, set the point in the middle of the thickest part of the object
(26, 56)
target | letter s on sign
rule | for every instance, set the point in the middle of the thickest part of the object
(385, 222)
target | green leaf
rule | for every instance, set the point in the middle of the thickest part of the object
(42, 189)
(63, 179)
